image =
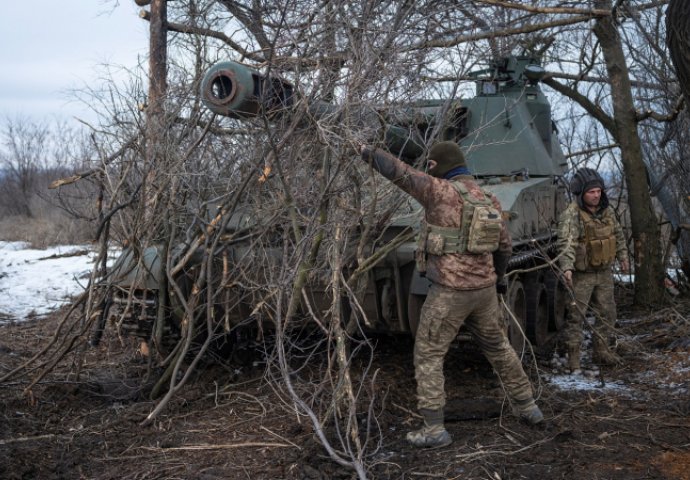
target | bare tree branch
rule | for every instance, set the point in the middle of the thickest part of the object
(588, 105)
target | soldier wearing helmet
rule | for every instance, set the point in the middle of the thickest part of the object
(464, 269)
(590, 239)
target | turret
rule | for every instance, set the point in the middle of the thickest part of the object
(506, 127)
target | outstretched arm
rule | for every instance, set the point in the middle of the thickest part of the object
(407, 178)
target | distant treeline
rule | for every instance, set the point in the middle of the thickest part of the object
(32, 156)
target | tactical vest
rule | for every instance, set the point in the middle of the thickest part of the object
(479, 231)
(596, 248)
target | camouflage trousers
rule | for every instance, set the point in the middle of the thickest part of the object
(444, 312)
(593, 290)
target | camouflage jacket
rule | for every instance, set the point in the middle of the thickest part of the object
(443, 207)
(571, 235)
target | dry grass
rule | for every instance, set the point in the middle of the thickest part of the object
(44, 231)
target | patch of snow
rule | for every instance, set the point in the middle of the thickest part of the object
(583, 382)
(627, 278)
(669, 371)
(33, 283)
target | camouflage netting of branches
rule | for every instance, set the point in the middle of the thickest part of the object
(238, 216)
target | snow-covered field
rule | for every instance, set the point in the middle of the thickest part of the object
(36, 282)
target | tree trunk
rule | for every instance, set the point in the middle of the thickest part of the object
(649, 271)
(158, 51)
(156, 140)
(155, 110)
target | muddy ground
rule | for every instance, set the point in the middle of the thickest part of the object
(228, 423)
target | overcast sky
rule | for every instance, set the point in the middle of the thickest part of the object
(48, 47)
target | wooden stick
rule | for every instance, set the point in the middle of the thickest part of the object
(217, 446)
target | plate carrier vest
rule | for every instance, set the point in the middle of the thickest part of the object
(596, 248)
(479, 231)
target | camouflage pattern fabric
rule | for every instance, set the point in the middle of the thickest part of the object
(571, 234)
(593, 290)
(444, 312)
(462, 291)
(443, 207)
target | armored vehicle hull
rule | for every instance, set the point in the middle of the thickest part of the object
(512, 148)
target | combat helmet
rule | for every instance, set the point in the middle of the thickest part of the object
(584, 180)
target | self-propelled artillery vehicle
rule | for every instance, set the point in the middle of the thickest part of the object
(511, 146)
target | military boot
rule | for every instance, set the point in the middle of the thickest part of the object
(574, 360)
(602, 355)
(528, 412)
(433, 433)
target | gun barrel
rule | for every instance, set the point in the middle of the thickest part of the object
(237, 91)
(234, 90)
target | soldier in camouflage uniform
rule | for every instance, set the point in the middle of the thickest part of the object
(463, 289)
(590, 239)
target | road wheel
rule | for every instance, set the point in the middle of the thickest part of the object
(414, 311)
(515, 315)
(557, 296)
(539, 329)
(538, 318)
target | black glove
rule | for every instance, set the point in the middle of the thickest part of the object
(502, 287)
(501, 263)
